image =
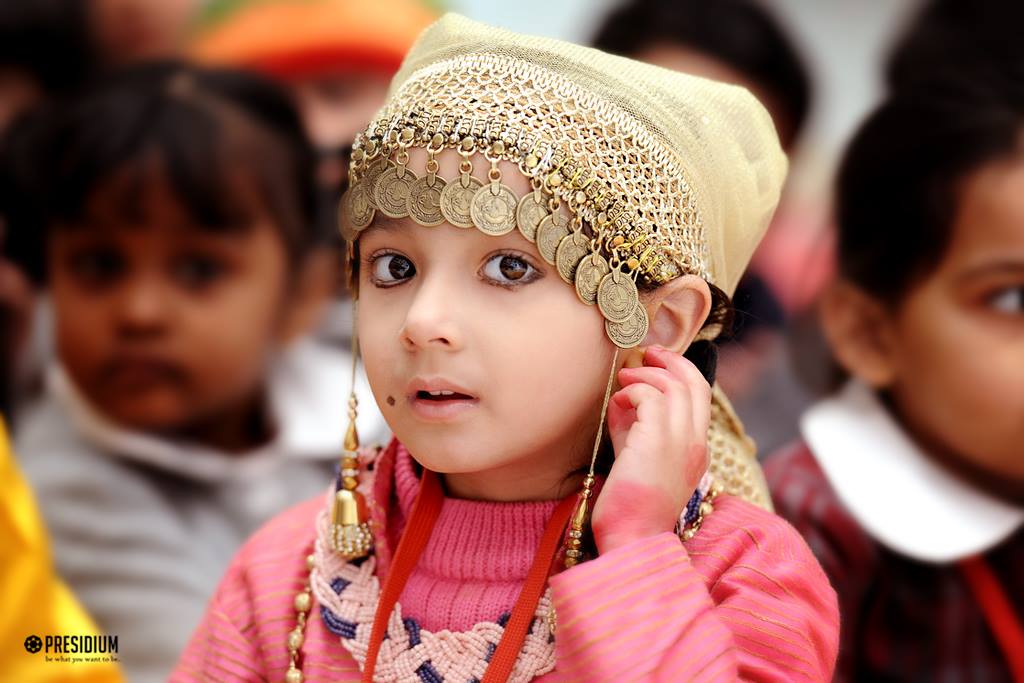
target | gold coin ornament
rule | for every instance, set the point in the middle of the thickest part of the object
(391, 191)
(617, 296)
(589, 274)
(355, 212)
(571, 250)
(457, 200)
(550, 233)
(494, 209)
(629, 332)
(368, 178)
(425, 200)
(529, 214)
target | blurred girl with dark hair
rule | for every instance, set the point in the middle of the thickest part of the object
(184, 410)
(910, 484)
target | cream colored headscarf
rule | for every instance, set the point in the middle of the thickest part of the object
(667, 173)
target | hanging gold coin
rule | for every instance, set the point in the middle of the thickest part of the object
(494, 209)
(631, 331)
(571, 250)
(355, 212)
(370, 175)
(391, 191)
(529, 214)
(617, 296)
(456, 200)
(550, 232)
(589, 274)
(425, 201)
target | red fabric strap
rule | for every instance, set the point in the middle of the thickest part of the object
(998, 611)
(414, 539)
(425, 512)
(518, 625)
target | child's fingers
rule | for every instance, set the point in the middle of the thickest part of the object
(647, 401)
(675, 364)
(685, 372)
(621, 417)
(659, 378)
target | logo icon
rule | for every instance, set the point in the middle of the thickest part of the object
(33, 644)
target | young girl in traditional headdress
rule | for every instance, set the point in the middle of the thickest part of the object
(909, 485)
(538, 231)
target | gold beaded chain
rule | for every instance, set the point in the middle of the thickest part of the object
(303, 603)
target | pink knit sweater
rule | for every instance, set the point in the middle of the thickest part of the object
(743, 600)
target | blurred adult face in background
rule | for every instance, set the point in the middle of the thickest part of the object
(334, 108)
(129, 30)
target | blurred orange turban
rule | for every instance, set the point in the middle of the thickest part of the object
(292, 39)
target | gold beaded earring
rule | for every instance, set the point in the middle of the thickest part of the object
(581, 514)
(351, 536)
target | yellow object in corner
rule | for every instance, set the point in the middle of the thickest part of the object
(36, 603)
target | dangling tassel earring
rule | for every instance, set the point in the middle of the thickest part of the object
(350, 531)
(581, 514)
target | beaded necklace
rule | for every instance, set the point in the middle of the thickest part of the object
(352, 605)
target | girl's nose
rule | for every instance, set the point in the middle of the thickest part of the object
(430, 321)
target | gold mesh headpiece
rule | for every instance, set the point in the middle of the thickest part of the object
(663, 174)
(668, 173)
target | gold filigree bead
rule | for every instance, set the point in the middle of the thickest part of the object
(532, 161)
(358, 155)
(632, 263)
(468, 144)
(310, 561)
(407, 135)
(349, 483)
(498, 148)
(437, 140)
(293, 676)
(303, 601)
(295, 639)
(580, 197)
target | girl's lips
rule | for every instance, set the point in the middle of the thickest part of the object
(440, 409)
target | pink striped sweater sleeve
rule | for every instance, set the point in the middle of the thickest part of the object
(743, 600)
(242, 636)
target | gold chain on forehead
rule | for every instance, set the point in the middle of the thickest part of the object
(629, 227)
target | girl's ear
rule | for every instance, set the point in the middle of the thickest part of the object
(677, 310)
(316, 278)
(859, 330)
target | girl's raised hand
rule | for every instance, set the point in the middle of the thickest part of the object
(658, 423)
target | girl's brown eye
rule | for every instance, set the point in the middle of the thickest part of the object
(513, 268)
(509, 269)
(392, 268)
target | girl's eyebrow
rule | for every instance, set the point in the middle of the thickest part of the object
(994, 267)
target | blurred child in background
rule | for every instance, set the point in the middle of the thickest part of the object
(741, 42)
(181, 262)
(910, 484)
